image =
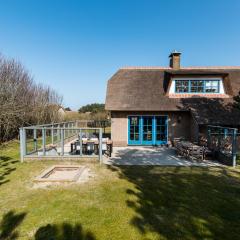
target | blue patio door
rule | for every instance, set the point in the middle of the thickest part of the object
(134, 130)
(147, 130)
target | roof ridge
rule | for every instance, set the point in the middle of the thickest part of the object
(182, 68)
(144, 67)
(211, 67)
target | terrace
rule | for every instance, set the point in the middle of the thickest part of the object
(69, 140)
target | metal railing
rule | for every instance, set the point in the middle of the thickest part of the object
(223, 141)
(61, 140)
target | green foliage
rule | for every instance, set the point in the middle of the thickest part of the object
(93, 108)
(68, 109)
(237, 101)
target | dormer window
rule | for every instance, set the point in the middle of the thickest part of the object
(182, 86)
(197, 86)
(212, 86)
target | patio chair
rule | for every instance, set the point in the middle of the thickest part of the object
(90, 147)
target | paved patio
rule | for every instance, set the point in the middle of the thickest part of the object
(162, 156)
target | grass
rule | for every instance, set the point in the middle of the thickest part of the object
(31, 145)
(131, 202)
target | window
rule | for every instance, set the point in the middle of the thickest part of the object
(134, 128)
(212, 86)
(197, 86)
(182, 86)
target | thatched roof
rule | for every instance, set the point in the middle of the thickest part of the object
(146, 89)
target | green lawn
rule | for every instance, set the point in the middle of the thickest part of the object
(119, 203)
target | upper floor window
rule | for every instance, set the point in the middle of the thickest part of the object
(182, 86)
(197, 86)
(212, 86)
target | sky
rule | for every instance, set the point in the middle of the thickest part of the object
(76, 46)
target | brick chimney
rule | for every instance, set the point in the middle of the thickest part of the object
(175, 60)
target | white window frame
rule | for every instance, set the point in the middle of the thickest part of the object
(221, 87)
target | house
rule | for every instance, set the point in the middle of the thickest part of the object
(154, 105)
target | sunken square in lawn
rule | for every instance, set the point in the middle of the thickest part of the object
(61, 173)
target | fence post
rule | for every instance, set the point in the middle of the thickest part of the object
(22, 143)
(44, 141)
(225, 133)
(80, 142)
(219, 139)
(100, 145)
(234, 147)
(35, 139)
(52, 132)
(66, 130)
(58, 133)
(62, 141)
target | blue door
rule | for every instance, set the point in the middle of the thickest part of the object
(147, 130)
(134, 130)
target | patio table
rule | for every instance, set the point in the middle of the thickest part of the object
(95, 143)
(190, 150)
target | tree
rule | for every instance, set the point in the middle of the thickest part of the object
(92, 108)
(22, 102)
(237, 101)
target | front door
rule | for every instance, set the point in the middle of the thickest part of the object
(147, 130)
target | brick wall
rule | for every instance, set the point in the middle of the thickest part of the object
(194, 133)
(178, 125)
(119, 128)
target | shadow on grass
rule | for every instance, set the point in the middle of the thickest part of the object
(9, 224)
(184, 202)
(6, 167)
(64, 231)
